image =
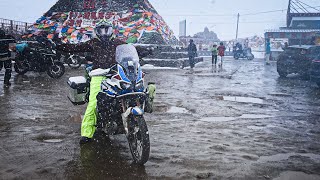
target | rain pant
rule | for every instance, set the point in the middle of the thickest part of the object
(149, 101)
(88, 126)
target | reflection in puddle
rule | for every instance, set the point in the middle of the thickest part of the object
(241, 99)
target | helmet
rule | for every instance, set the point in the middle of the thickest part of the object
(104, 30)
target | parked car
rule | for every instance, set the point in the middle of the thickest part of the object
(297, 59)
(315, 70)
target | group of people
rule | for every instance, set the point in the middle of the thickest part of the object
(217, 51)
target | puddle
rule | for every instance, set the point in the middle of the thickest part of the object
(255, 127)
(179, 110)
(218, 119)
(294, 175)
(280, 157)
(48, 138)
(254, 116)
(241, 99)
(52, 140)
(224, 119)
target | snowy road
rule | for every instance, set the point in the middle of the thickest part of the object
(238, 122)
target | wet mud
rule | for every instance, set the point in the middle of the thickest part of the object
(236, 122)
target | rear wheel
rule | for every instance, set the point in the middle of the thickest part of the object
(251, 57)
(56, 70)
(138, 139)
(236, 56)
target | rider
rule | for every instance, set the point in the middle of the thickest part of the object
(5, 56)
(103, 49)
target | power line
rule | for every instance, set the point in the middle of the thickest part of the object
(308, 5)
(242, 22)
(248, 14)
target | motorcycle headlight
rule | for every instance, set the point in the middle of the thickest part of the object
(139, 86)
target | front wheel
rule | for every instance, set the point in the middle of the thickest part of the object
(74, 62)
(56, 70)
(138, 139)
(282, 73)
(21, 68)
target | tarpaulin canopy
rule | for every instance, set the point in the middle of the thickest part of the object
(131, 19)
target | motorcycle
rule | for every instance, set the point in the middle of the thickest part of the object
(121, 102)
(38, 58)
(246, 53)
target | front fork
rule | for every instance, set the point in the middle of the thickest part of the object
(129, 112)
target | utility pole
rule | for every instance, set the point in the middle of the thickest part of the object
(237, 26)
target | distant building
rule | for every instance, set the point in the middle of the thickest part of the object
(303, 27)
(202, 39)
(183, 28)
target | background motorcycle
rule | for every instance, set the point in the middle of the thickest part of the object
(38, 57)
(246, 53)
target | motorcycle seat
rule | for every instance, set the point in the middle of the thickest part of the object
(99, 72)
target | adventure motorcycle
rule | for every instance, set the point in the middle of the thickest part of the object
(246, 53)
(122, 101)
(39, 58)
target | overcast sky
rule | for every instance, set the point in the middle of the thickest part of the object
(217, 15)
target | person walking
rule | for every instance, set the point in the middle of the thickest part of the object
(214, 51)
(268, 51)
(192, 52)
(5, 56)
(221, 51)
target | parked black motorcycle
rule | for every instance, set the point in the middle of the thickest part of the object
(39, 58)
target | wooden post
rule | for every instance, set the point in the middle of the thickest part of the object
(26, 27)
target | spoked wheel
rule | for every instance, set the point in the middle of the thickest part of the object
(138, 139)
(74, 62)
(56, 70)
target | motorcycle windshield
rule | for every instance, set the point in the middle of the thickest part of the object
(127, 57)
